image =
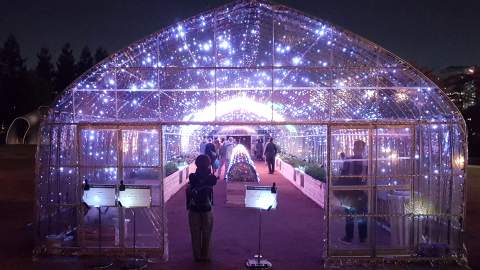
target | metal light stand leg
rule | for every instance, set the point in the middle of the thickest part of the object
(135, 263)
(101, 262)
(258, 262)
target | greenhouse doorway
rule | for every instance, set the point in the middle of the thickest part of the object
(301, 198)
(108, 155)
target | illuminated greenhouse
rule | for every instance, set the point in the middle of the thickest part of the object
(260, 68)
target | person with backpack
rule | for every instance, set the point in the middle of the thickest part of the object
(199, 205)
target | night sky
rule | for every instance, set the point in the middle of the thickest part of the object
(429, 33)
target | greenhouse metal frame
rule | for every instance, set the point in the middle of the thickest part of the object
(255, 63)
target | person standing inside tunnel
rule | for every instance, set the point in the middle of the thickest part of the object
(270, 153)
(199, 195)
(226, 153)
(259, 150)
(211, 152)
(202, 146)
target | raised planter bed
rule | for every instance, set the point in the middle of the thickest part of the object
(312, 188)
(174, 182)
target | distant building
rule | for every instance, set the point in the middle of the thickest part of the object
(461, 84)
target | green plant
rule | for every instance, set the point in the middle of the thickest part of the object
(316, 171)
(293, 160)
(170, 167)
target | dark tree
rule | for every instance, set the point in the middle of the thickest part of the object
(45, 69)
(43, 77)
(12, 77)
(65, 68)
(85, 62)
(100, 54)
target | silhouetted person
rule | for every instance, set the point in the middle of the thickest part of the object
(355, 202)
(259, 149)
(202, 145)
(225, 153)
(270, 153)
(211, 152)
(199, 206)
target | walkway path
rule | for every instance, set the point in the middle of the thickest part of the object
(292, 237)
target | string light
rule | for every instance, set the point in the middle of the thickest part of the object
(251, 63)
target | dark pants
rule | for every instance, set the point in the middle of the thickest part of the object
(201, 224)
(271, 164)
(350, 223)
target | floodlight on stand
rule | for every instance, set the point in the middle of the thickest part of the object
(99, 196)
(261, 198)
(132, 197)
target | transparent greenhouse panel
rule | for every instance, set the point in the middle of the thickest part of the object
(63, 110)
(244, 79)
(145, 177)
(350, 51)
(398, 104)
(433, 104)
(188, 44)
(348, 167)
(245, 105)
(337, 231)
(95, 106)
(459, 163)
(393, 202)
(99, 176)
(301, 41)
(348, 104)
(173, 144)
(60, 223)
(173, 79)
(354, 78)
(244, 36)
(350, 202)
(148, 227)
(183, 105)
(298, 105)
(243, 95)
(400, 76)
(393, 155)
(393, 234)
(140, 54)
(300, 94)
(133, 79)
(98, 147)
(64, 186)
(89, 234)
(301, 78)
(63, 145)
(100, 77)
(141, 147)
(43, 187)
(437, 236)
(134, 106)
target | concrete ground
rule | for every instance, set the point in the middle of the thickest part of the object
(292, 235)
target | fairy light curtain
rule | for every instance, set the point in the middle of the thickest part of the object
(260, 63)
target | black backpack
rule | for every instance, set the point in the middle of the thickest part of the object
(199, 198)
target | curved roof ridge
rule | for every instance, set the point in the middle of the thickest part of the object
(360, 64)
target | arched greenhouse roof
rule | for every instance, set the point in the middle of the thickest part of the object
(253, 61)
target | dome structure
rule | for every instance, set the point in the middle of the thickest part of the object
(254, 63)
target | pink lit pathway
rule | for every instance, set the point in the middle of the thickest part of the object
(292, 234)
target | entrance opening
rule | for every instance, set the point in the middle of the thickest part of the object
(298, 219)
